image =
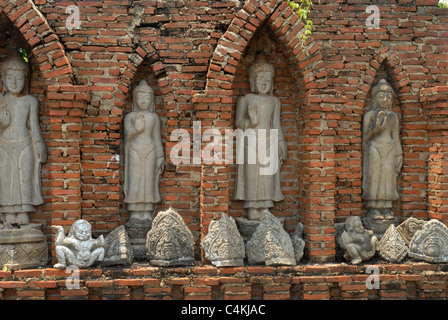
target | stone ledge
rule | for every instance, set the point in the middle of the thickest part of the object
(141, 281)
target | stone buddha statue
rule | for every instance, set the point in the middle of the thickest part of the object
(22, 147)
(259, 112)
(143, 153)
(144, 164)
(382, 153)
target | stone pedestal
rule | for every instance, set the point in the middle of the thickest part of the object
(137, 230)
(379, 226)
(23, 248)
(247, 227)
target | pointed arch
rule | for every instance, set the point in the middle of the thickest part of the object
(44, 42)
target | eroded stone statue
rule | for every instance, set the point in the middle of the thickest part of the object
(270, 243)
(22, 147)
(257, 113)
(170, 242)
(22, 151)
(359, 244)
(223, 245)
(78, 248)
(144, 164)
(382, 158)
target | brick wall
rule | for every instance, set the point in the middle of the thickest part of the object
(406, 281)
(195, 55)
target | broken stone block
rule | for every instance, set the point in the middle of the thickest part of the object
(118, 249)
(270, 244)
(223, 245)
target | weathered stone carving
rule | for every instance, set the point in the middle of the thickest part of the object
(257, 113)
(22, 248)
(223, 245)
(22, 151)
(430, 243)
(297, 242)
(144, 164)
(270, 243)
(392, 247)
(118, 249)
(359, 244)
(409, 227)
(382, 158)
(170, 242)
(22, 147)
(78, 248)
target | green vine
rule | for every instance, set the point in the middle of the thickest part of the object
(443, 3)
(303, 8)
(24, 54)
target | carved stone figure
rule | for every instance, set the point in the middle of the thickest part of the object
(359, 244)
(409, 227)
(117, 248)
(392, 247)
(270, 243)
(22, 151)
(22, 147)
(78, 248)
(259, 112)
(170, 242)
(382, 157)
(430, 243)
(297, 242)
(144, 164)
(223, 245)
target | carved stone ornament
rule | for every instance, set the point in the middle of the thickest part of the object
(392, 248)
(170, 242)
(223, 245)
(358, 243)
(430, 243)
(78, 248)
(409, 227)
(297, 242)
(118, 249)
(270, 244)
(22, 248)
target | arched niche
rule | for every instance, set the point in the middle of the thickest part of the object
(11, 39)
(290, 92)
(145, 72)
